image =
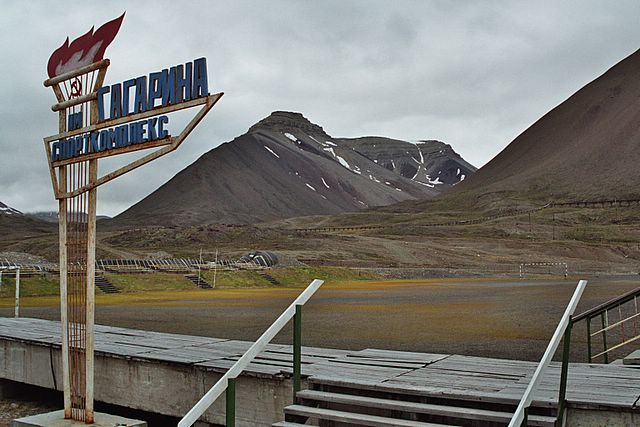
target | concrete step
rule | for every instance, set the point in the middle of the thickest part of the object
(288, 424)
(105, 285)
(198, 281)
(355, 387)
(454, 414)
(344, 417)
(632, 359)
(269, 278)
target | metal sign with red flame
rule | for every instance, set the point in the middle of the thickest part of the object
(97, 121)
(84, 50)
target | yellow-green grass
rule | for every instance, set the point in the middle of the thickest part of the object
(302, 276)
(236, 279)
(174, 297)
(173, 288)
(191, 296)
(143, 282)
(30, 286)
(294, 277)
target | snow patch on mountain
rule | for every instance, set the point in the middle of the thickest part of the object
(291, 137)
(8, 210)
(343, 162)
(271, 151)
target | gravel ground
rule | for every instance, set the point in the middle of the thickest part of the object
(11, 409)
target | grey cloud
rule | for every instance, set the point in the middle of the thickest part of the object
(472, 74)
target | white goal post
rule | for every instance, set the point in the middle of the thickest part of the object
(531, 267)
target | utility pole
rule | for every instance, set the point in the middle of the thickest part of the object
(529, 222)
(554, 226)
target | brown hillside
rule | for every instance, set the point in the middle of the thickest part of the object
(286, 166)
(587, 147)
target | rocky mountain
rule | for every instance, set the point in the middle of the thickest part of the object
(16, 226)
(8, 210)
(52, 216)
(430, 163)
(286, 166)
(588, 147)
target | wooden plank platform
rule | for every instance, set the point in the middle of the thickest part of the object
(208, 353)
(424, 374)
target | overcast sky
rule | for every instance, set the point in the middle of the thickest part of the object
(472, 74)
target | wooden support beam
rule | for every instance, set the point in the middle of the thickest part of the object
(78, 72)
(91, 277)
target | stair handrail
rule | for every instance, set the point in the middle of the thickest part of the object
(256, 348)
(602, 311)
(612, 303)
(520, 415)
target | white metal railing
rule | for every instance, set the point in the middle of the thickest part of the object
(527, 398)
(218, 388)
(625, 329)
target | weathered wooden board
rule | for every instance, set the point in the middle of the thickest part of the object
(392, 355)
(426, 374)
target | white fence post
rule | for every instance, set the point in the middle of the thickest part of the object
(17, 312)
(215, 270)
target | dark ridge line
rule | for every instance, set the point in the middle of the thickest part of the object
(604, 203)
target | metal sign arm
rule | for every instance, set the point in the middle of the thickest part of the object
(175, 143)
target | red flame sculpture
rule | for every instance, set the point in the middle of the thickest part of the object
(84, 50)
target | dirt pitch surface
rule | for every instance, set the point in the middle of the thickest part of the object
(504, 319)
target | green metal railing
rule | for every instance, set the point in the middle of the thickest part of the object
(618, 320)
(624, 307)
(230, 415)
(227, 383)
(564, 373)
(562, 332)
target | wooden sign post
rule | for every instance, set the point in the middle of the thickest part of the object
(97, 121)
